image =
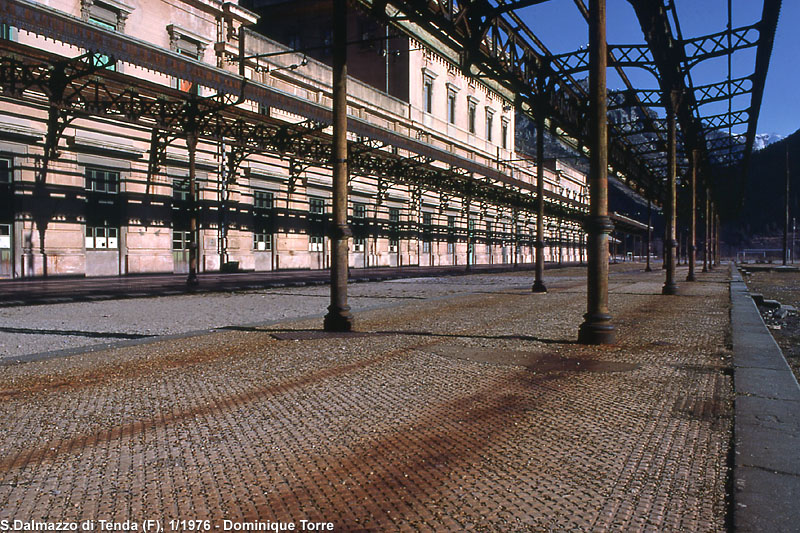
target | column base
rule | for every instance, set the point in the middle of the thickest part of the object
(596, 329)
(192, 281)
(648, 269)
(669, 289)
(691, 277)
(338, 320)
(538, 287)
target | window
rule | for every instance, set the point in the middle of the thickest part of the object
(187, 44)
(316, 205)
(99, 59)
(5, 236)
(504, 133)
(427, 94)
(473, 107)
(110, 15)
(427, 219)
(393, 244)
(426, 247)
(394, 215)
(181, 240)
(359, 210)
(101, 238)
(489, 119)
(359, 244)
(427, 89)
(451, 222)
(451, 248)
(6, 32)
(262, 200)
(180, 189)
(315, 243)
(104, 181)
(5, 171)
(262, 241)
(190, 50)
(451, 106)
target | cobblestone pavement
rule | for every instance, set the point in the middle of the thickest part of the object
(476, 412)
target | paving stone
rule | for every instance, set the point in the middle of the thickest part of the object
(392, 431)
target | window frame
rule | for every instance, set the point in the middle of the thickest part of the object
(263, 200)
(316, 205)
(6, 231)
(489, 123)
(91, 232)
(92, 182)
(262, 237)
(185, 242)
(472, 115)
(451, 106)
(359, 210)
(316, 243)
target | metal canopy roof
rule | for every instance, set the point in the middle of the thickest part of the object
(491, 41)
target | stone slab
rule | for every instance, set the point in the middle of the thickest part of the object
(767, 424)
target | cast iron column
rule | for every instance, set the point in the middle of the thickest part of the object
(712, 250)
(194, 238)
(649, 233)
(538, 283)
(706, 230)
(597, 327)
(786, 218)
(717, 240)
(339, 317)
(693, 220)
(670, 215)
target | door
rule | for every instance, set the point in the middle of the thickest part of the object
(5, 251)
(180, 251)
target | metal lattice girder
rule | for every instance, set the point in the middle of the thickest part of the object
(716, 45)
(497, 45)
(23, 70)
(646, 98)
(724, 90)
(676, 57)
(633, 55)
(726, 120)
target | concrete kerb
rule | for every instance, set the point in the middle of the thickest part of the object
(766, 472)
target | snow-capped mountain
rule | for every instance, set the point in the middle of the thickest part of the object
(763, 140)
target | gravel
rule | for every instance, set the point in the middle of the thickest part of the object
(31, 332)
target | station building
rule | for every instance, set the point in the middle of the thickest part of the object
(101, 208)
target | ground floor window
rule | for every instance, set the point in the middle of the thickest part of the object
(102, 238)
(181, 240)
(5, 236)
(451, 248)
(426, 247)
(315, 243)
(359, 244)
(393, 245)
(262, 241)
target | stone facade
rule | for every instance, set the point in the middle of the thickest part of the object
(274, 213)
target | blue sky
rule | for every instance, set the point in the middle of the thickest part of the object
(561, 27)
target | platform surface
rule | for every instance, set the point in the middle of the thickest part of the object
(471, 410)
